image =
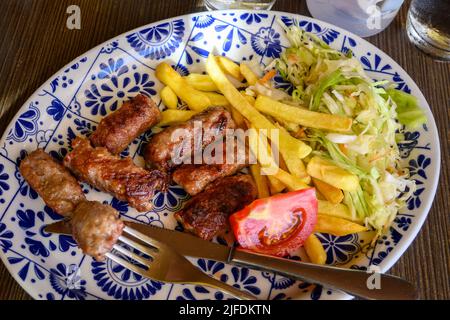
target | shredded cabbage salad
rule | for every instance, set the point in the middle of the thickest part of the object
(329, 81)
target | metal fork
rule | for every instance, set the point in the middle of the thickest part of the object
(164, 264)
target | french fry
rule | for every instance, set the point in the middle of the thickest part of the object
(337, 177)
(201, 82)
(302, 116)
(295, 165)
(332, 194)
(238, 118)
(260, 181)
(338, 210)
(240, 121)
(250, 99)
(248, 74)
(290, 181)
(230, 67)
(282, 163)
(169, 98)
(319, 196)
(258, 146)
(217, 99)
(289, 126)
(288, 145)
(275, 185)
(196, 100)
(315, 250)
(171, 116)
(337, 226)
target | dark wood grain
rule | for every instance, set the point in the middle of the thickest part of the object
(35, 43)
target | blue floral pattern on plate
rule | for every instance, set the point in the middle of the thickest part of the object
(120, 283)
(115, 83)
(266, 42)
(158, 41)
(72, 102)
(67, 282)
(26, 124)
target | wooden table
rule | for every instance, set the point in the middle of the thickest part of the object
(35, 43)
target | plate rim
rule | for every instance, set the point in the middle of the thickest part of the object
(408, 238)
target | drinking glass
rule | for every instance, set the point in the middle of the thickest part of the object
(363, 17)
(428, 27)
(239, 4)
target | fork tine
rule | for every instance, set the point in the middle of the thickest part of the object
(142, 237)
(127, 264)
(148, 251)
(132, 255)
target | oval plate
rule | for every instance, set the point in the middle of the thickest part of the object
(72, 102)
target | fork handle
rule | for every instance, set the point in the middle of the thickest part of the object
(354, 282)
(205, 280)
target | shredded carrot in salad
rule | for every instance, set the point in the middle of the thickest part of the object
(268, 76)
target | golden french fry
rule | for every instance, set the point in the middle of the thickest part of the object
(332, 194)
(196, 100)
(260, 181)
(250, 99)
(204, 83)
(337, 226)
(320, 196)
(275, 185)
(294, 164)
(337, 177)
(217, 99)
(338, 210)
(289, 146)
(248, 74)
(259, 147)
(302, 116)
(315, 250)
(230, 67)
(290, 181)
(238, 118)
(282, 163)
(201, 82)
(172, 116)
(169, 98)
(290, 126)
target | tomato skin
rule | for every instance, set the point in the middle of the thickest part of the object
(277, 225)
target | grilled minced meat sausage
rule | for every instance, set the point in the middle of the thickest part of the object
(117, 130)
(52, 181)
(96, 228)
(117, 176)
(206, 214)
(195, 177)
(178, 141)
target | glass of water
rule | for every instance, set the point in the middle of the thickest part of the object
(428, 27)
(363, 17)
(239, 4)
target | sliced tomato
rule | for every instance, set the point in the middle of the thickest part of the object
(277, 225)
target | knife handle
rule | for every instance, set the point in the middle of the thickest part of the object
(353, 282)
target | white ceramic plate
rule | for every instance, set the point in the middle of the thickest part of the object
(73, 101)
